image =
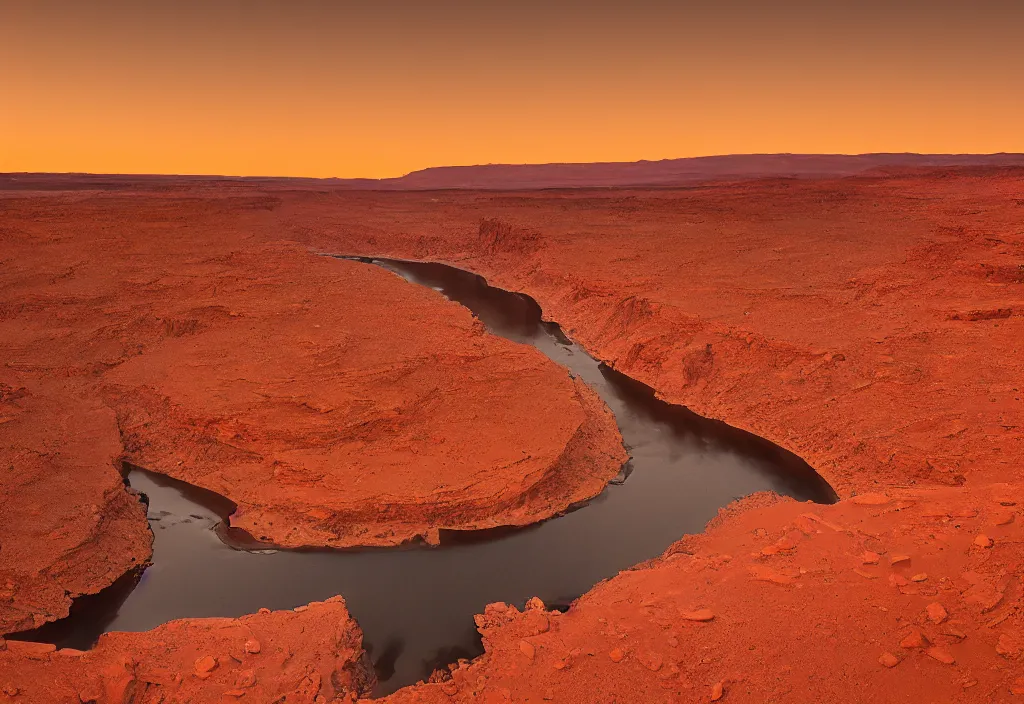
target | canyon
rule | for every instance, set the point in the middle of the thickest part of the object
(870, 324)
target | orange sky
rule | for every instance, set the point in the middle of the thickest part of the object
(380, 88)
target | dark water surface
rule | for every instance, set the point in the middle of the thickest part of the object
(416, 605)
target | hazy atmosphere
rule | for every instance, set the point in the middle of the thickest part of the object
(318, 88)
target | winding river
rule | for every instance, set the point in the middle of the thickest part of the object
(416, 604)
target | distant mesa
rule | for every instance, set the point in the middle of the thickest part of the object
(663, 173)
(673, 172)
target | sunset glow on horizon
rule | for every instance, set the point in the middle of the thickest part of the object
(318, 88)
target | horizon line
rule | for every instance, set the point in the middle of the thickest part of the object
(509, 165)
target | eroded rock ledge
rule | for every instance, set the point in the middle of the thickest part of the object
(311, 654)
(338, 405)
(69, 527)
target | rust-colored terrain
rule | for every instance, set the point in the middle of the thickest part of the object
(339, 406)
(871, 324)
(294, 656)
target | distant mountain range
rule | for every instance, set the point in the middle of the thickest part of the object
(669, 172)
(664, 173)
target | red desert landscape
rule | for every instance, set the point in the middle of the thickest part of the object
(742, 429)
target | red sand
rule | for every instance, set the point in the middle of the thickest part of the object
(872, 325)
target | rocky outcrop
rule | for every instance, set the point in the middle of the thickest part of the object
(69, 524)
(312, 654)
